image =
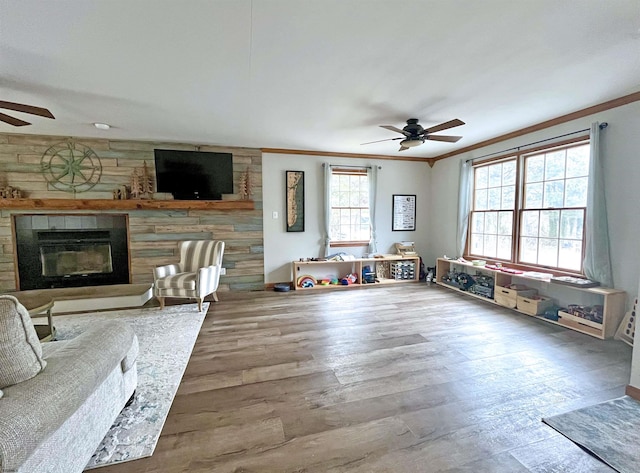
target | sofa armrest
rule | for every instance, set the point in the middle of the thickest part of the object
(131, 357)
(32, 410)
(207, 280)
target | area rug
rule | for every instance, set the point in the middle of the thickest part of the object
(609, 430)
(166, 339)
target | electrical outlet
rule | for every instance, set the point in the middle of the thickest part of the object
(274, 214)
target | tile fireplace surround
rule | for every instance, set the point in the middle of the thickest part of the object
(154, 229)
(71, 250)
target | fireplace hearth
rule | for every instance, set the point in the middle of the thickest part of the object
(57, 256)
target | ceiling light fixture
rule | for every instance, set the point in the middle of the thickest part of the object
(411, 143)
(102, 126)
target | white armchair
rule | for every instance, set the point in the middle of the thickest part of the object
(196, 276)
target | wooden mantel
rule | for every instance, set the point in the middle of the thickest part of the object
(111, 204)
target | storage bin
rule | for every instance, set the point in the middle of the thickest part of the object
(566, 316)
(507, 297)
(533, 305)
(403, 270)
(368, 276)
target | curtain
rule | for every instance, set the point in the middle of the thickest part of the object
(327, 208)
(372, 177)
(464, 205)
(597, 260)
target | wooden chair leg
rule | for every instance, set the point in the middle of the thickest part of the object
(200, 299)
(215, 296)
(161, 300)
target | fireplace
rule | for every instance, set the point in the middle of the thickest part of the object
(54, 255)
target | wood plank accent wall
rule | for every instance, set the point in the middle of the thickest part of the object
(154, 233)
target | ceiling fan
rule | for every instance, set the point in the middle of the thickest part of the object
(19, 107)
(415, 135)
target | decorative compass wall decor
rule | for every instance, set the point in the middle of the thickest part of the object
(71, 167)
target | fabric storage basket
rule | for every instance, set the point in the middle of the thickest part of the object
(507, 297)
(533, 305)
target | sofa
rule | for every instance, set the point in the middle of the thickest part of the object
(54, 420)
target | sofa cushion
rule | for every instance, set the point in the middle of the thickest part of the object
(20, 349)
(31, 411)
(178, 281)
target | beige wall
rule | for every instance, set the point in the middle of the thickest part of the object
(154, 234)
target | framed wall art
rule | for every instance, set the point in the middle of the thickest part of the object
(295, 201)
(404, 213)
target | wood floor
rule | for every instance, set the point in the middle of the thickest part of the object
(409, 378)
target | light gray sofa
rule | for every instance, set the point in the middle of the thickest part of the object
(54, 421)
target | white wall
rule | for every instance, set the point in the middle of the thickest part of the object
(281, 247)
(635, 362)
(621, 158)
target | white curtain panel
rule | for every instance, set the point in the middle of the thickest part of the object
(372, 175)
(464, 204)
(327, 208)
(597, 260)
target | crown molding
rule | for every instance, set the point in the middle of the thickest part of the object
(620, 101)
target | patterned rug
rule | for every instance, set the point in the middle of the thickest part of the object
(609, 430)
(166, 340)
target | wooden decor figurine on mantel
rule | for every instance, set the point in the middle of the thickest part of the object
(141, 183)
(121, 193)
(245, 186)
(9, 192)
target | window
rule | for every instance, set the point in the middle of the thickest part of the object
(553, 213)
(494, 199)
(350, 223)
(530, 208)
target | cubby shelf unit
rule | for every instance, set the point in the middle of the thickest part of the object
(339, 269)
(612, 300)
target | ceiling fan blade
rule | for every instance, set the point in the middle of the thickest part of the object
(447, 138)
(379, 141)
(394, 128)
(444, 126)
(12, 121)
(19, 107)
(402, 148)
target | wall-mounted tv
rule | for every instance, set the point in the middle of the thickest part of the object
(194, 175)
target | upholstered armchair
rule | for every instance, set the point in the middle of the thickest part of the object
(196, 276)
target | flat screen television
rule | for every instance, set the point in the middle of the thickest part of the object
(194, 175)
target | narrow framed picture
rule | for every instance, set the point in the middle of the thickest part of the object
(295, 201)
(404, 212)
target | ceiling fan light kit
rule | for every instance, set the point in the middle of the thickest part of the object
(414, 135)
(410, 143)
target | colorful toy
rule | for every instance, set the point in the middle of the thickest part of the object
(306, 281)
(349, 279)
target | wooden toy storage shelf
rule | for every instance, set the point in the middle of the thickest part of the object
(612, 300)
(339, 269)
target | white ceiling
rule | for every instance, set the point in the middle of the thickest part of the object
(312, 74)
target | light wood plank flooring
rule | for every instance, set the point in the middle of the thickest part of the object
(409, 378)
